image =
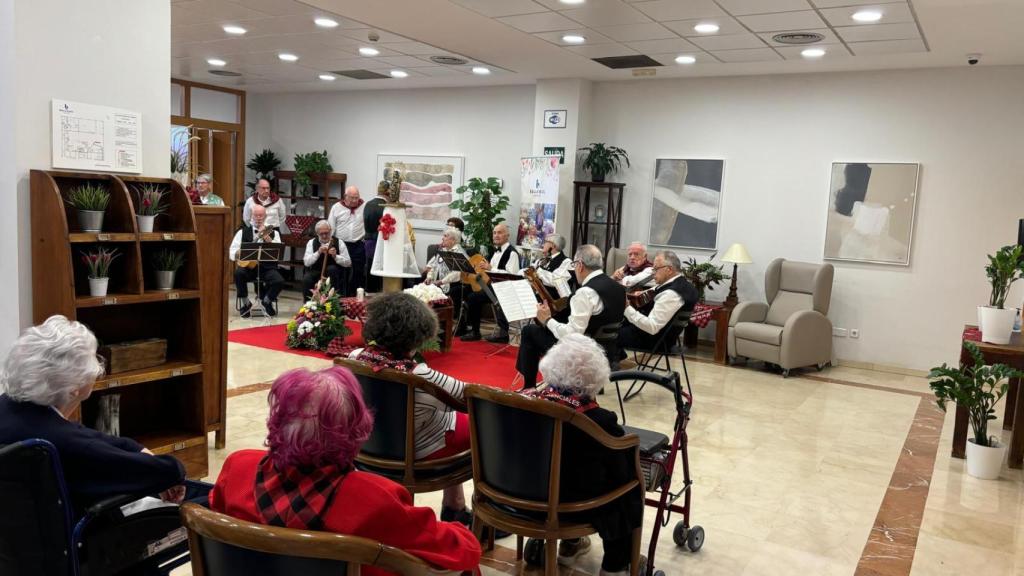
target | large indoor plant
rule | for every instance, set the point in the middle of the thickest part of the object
(601, 160)
(305, 166)
(1004, 268)
(703, 275)
(977, 388)
(149, 205)
(263, 164)
(98, 262)
(482, 204)
(91, 201)
(166, 263)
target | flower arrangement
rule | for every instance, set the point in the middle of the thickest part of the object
(150, 200)
(319, 320)
(429, 294)
(98, 261)
(387, 226)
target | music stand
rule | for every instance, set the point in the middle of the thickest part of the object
(457, 261)
(260, 252)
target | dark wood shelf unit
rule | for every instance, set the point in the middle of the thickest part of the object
(330, 187)
(586, 229)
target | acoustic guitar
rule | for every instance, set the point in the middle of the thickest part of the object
(640, 299)
(267, 236)
(555, 304)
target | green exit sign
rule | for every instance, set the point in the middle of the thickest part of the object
(556, 151)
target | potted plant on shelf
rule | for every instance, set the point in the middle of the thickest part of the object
(977, 388)
(703, 275)
(166, 263)
(995, 320)
(306, 165)
(98, 262)
(601, 160)
(263, 165)
(150, 205)
(482, 210)
(91, 201)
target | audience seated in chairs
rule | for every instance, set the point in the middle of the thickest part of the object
(397, 326)
(575, 369)
(305, 479)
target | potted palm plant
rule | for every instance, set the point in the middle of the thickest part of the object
(166, 264)
(995, 320)
(98, 263)
(91, 201)
(482, 204)
(263, 164)
(150, 205)
(601, 160)
(977, 388)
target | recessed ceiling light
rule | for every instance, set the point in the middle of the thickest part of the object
(237, 30)
(399, 73)
(325, 22)
(572, 1)
(481, 70)
(685, 59)
(327, 77)
(706, 28)
(867, 16)
(216, 62)
(287, 57)
(367, 51)
(813, 53)
(573, 39)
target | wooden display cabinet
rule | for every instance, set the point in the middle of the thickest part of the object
(596, 214)
(330, 187)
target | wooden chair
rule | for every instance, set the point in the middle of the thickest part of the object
(224, 546)
(517, 445)
(391, 449)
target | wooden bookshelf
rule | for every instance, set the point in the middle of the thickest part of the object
(329, 188)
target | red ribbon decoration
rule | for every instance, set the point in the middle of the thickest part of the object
(387, 226)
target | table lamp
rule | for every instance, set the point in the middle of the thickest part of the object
(736, 254)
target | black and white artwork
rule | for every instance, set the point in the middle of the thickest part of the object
(871, 212)
(687, 203)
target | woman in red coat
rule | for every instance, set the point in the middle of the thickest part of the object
(305, 480)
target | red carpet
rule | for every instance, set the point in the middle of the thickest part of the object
(466, 361)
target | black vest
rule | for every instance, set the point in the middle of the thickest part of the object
(503, 261)
(613, 298)
(318, 265)
(554, 262)
(686, 292)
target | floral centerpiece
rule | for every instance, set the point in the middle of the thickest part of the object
(319, 320)
(429, 294)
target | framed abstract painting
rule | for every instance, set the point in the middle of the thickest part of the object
(687, 203)
(428, 184)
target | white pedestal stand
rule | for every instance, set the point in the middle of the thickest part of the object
(394, 258)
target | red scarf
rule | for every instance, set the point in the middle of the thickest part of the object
(577, 403)
(353, 210)
(296, 497)
(377, 358)
(271, 200)
(643, 266)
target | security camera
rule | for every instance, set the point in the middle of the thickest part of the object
(973, 59)
(373, 36)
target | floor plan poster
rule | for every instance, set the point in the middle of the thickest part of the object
(88, 137)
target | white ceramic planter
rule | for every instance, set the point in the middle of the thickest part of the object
(90, 220)
(98, 286)
(996, 324)
(165, 279)
(145, 222)
(985, 462)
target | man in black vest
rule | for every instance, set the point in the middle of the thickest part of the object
(265, 272)
(505, 259)
(599, 301)
(645, 327)
(324, 246)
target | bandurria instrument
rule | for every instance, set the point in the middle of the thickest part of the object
(267, 235)
(555, 304)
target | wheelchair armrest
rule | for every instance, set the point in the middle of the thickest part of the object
(111, 503)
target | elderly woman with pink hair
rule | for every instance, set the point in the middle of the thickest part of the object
(305, 479)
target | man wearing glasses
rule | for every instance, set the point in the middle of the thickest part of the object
(645, 327)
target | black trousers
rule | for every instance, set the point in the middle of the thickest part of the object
(635, 339)
(312, 276)
(475, 306)
(373, 283)
(356, 276)
(270, 276)
(536, 341)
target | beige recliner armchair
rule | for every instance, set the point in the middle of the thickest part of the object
(792, 329)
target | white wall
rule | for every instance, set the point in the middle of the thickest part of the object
(490, 127)
(573, 96)
(779, 135)
(9, 311)
(114, 53)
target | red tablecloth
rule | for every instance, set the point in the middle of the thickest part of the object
(298, 224)
(972, 334)
(702, 313)
(354, 308)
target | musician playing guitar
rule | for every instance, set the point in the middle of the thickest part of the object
(505, 259)
(325, 257)
(637, 272)
(246, 272)
(650, 318)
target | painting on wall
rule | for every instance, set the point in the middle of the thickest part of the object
(871, 212)
(687, 203)
(428, 184)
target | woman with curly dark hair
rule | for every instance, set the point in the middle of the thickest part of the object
(397, 325)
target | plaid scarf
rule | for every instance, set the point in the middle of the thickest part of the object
(295, 498)
(379, 359)
(577, 403)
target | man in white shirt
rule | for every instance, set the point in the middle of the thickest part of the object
(637, 271)
(323, 254)
(264, 272)
(652, 324)
(276, 207)
(346, 220)
(505, 259)
(555, 269)
(598, 302)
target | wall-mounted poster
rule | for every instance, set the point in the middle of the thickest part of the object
(687, 203)
(428, 184)
(539, 200)
(871, 212)
(89, 137)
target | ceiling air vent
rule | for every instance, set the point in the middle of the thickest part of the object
(449, 60)
(639, 61)
(798, 37)
(360, 74)
(224, 73)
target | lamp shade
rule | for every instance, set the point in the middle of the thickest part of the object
(737, 254)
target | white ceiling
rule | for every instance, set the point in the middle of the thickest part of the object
(521, 40)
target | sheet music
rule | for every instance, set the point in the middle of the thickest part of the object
(516, 299)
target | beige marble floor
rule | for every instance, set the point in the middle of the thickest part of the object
(788, 474)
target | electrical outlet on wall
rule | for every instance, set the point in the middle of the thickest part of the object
(854, 333)
(839, 332)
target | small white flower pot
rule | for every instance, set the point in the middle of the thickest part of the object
(996, 324)
(985, 462)
(98, 286)
(145, 222)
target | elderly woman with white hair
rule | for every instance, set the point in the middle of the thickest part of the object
(575, 370)
(325, 257)
(50, 370)
(437, 272)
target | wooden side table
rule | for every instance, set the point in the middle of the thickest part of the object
(445, 317)
(720, 316)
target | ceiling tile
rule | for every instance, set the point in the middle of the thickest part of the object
(726, 25)
(591, 36)
(749, 55)
(362, 33)
(829, 36)
(342, 63)
(729, 42)
(220, 12)
(605, 13)
(412, 48)
(281, 72)
(891, 14)
(636, 32)
(743, 7)
(664, 10)
(783, 21)
(409, 61)
(281, 7)
(863, 33)
(602, 50)
(440, 71)
(887, 47)
(496, 8)
(837, 3)
(832, 52)
(543, 22)
(662, 46)
(669, 58)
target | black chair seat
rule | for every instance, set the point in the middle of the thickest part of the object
(650, 441)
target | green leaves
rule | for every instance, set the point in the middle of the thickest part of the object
(89, 196)
(264, 164)
(703, 275)
(602, 160)
(1004, 268)
(482, 204)
(168, 260)
(310, 163)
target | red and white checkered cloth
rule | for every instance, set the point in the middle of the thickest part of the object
(354, 308)
(702, 313)
(298, 224)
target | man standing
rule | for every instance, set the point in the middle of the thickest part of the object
(372, 213)
(276, 207)
(319, 248)
(505, 259)
(346, 220)
(645, 327)
(637, 271)
(265, 272)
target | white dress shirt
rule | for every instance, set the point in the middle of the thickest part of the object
(641, 278)
(236, 242)
(276, 213)
(563, 272)
(346, 224)
(313, 254)
(584, 303)
(513, 261)
(666, 304)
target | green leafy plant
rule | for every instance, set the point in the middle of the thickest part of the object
(601, 160)
(1003, 269)
(168, 260)
(264, 164)
(703, 275)
(978, 388)
(98, 261)
(150, 199)
(89, 196)
(310, 163)
(482, 204)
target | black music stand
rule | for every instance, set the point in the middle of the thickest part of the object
(260, 252)
(457, 261)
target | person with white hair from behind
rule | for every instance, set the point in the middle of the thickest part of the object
(325, 257)
(575, 370)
